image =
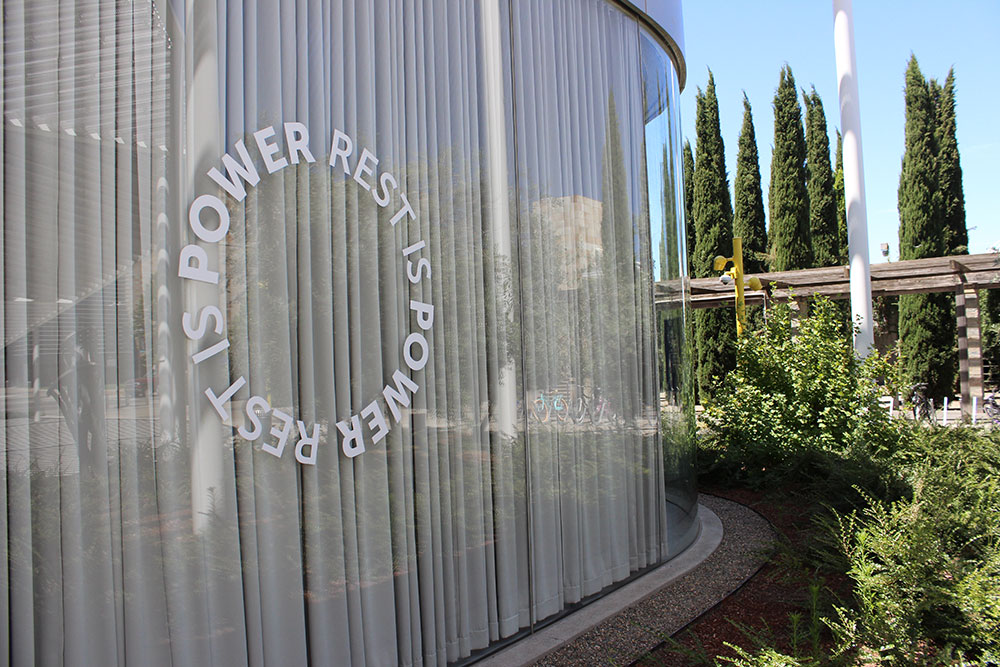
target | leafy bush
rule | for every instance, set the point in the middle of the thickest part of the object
(913, 512)
(800, 406)
(926, 569)
(766, 657)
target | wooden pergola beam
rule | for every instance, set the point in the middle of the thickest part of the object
(961, 275)
(915, 276)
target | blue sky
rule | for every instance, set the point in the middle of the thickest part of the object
(745, 46)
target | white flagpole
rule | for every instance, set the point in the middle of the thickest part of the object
(854, 177)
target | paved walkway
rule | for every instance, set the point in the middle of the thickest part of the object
(621, 627)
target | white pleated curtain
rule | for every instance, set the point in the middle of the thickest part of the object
(596, 492)
(141, 529)
(84, 100)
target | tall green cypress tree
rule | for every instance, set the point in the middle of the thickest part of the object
(748, 217)
(918, 219)
(788, 200)
(840, 200)
(819, 184)
(949, 172)
(713, 219)
(926, 325)
(689, 204)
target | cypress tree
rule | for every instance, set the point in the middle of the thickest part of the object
(713, 219)
(950, 172)
(788, 200)
(689, 204)
(918, 219)
(840, 200)
(926, 324)
(748, 216)
(819, 184)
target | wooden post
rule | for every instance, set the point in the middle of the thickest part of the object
(970, 356)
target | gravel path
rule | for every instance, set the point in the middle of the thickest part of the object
(627, 636)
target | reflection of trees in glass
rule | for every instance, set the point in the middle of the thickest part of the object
(669, 253)
(620, 285)
(670, 315)
(689, 205)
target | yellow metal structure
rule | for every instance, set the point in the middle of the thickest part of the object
(735, 276)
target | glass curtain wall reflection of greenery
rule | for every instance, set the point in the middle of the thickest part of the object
(82, 176)
(669, 232)
(136, 519)
(586, 302)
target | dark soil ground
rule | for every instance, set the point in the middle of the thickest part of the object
(763, 609)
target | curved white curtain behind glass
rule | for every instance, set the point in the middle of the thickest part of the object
(595, 488)
(140, 527)
(394, 551)
(667, 233)
(85, 111)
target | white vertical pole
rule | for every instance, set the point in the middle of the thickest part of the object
(505, 407)
(975, 399)
(854, 176)
(944, 417)
(203, 144)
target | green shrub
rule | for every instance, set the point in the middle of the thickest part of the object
(926, 569)
(800, 407)
(914, 511)
(766, 657)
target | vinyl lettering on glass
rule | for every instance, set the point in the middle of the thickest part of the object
(371, 424)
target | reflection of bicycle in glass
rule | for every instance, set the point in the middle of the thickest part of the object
(923, 407)
(550, 405)
(578, 407)
(596, 407)
(600, 408)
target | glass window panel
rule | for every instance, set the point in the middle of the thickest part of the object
(328, 326)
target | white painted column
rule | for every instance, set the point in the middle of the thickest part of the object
(204, 143)
(503, 386)
(498, 211)
(854, 176)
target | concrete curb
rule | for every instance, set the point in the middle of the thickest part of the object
(562, 632)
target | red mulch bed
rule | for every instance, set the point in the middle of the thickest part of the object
(761, 607)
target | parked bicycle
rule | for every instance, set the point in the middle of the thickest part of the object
(598, 407)
(923, 407)
(991, 406)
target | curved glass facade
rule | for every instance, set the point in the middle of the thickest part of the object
(329, 328)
